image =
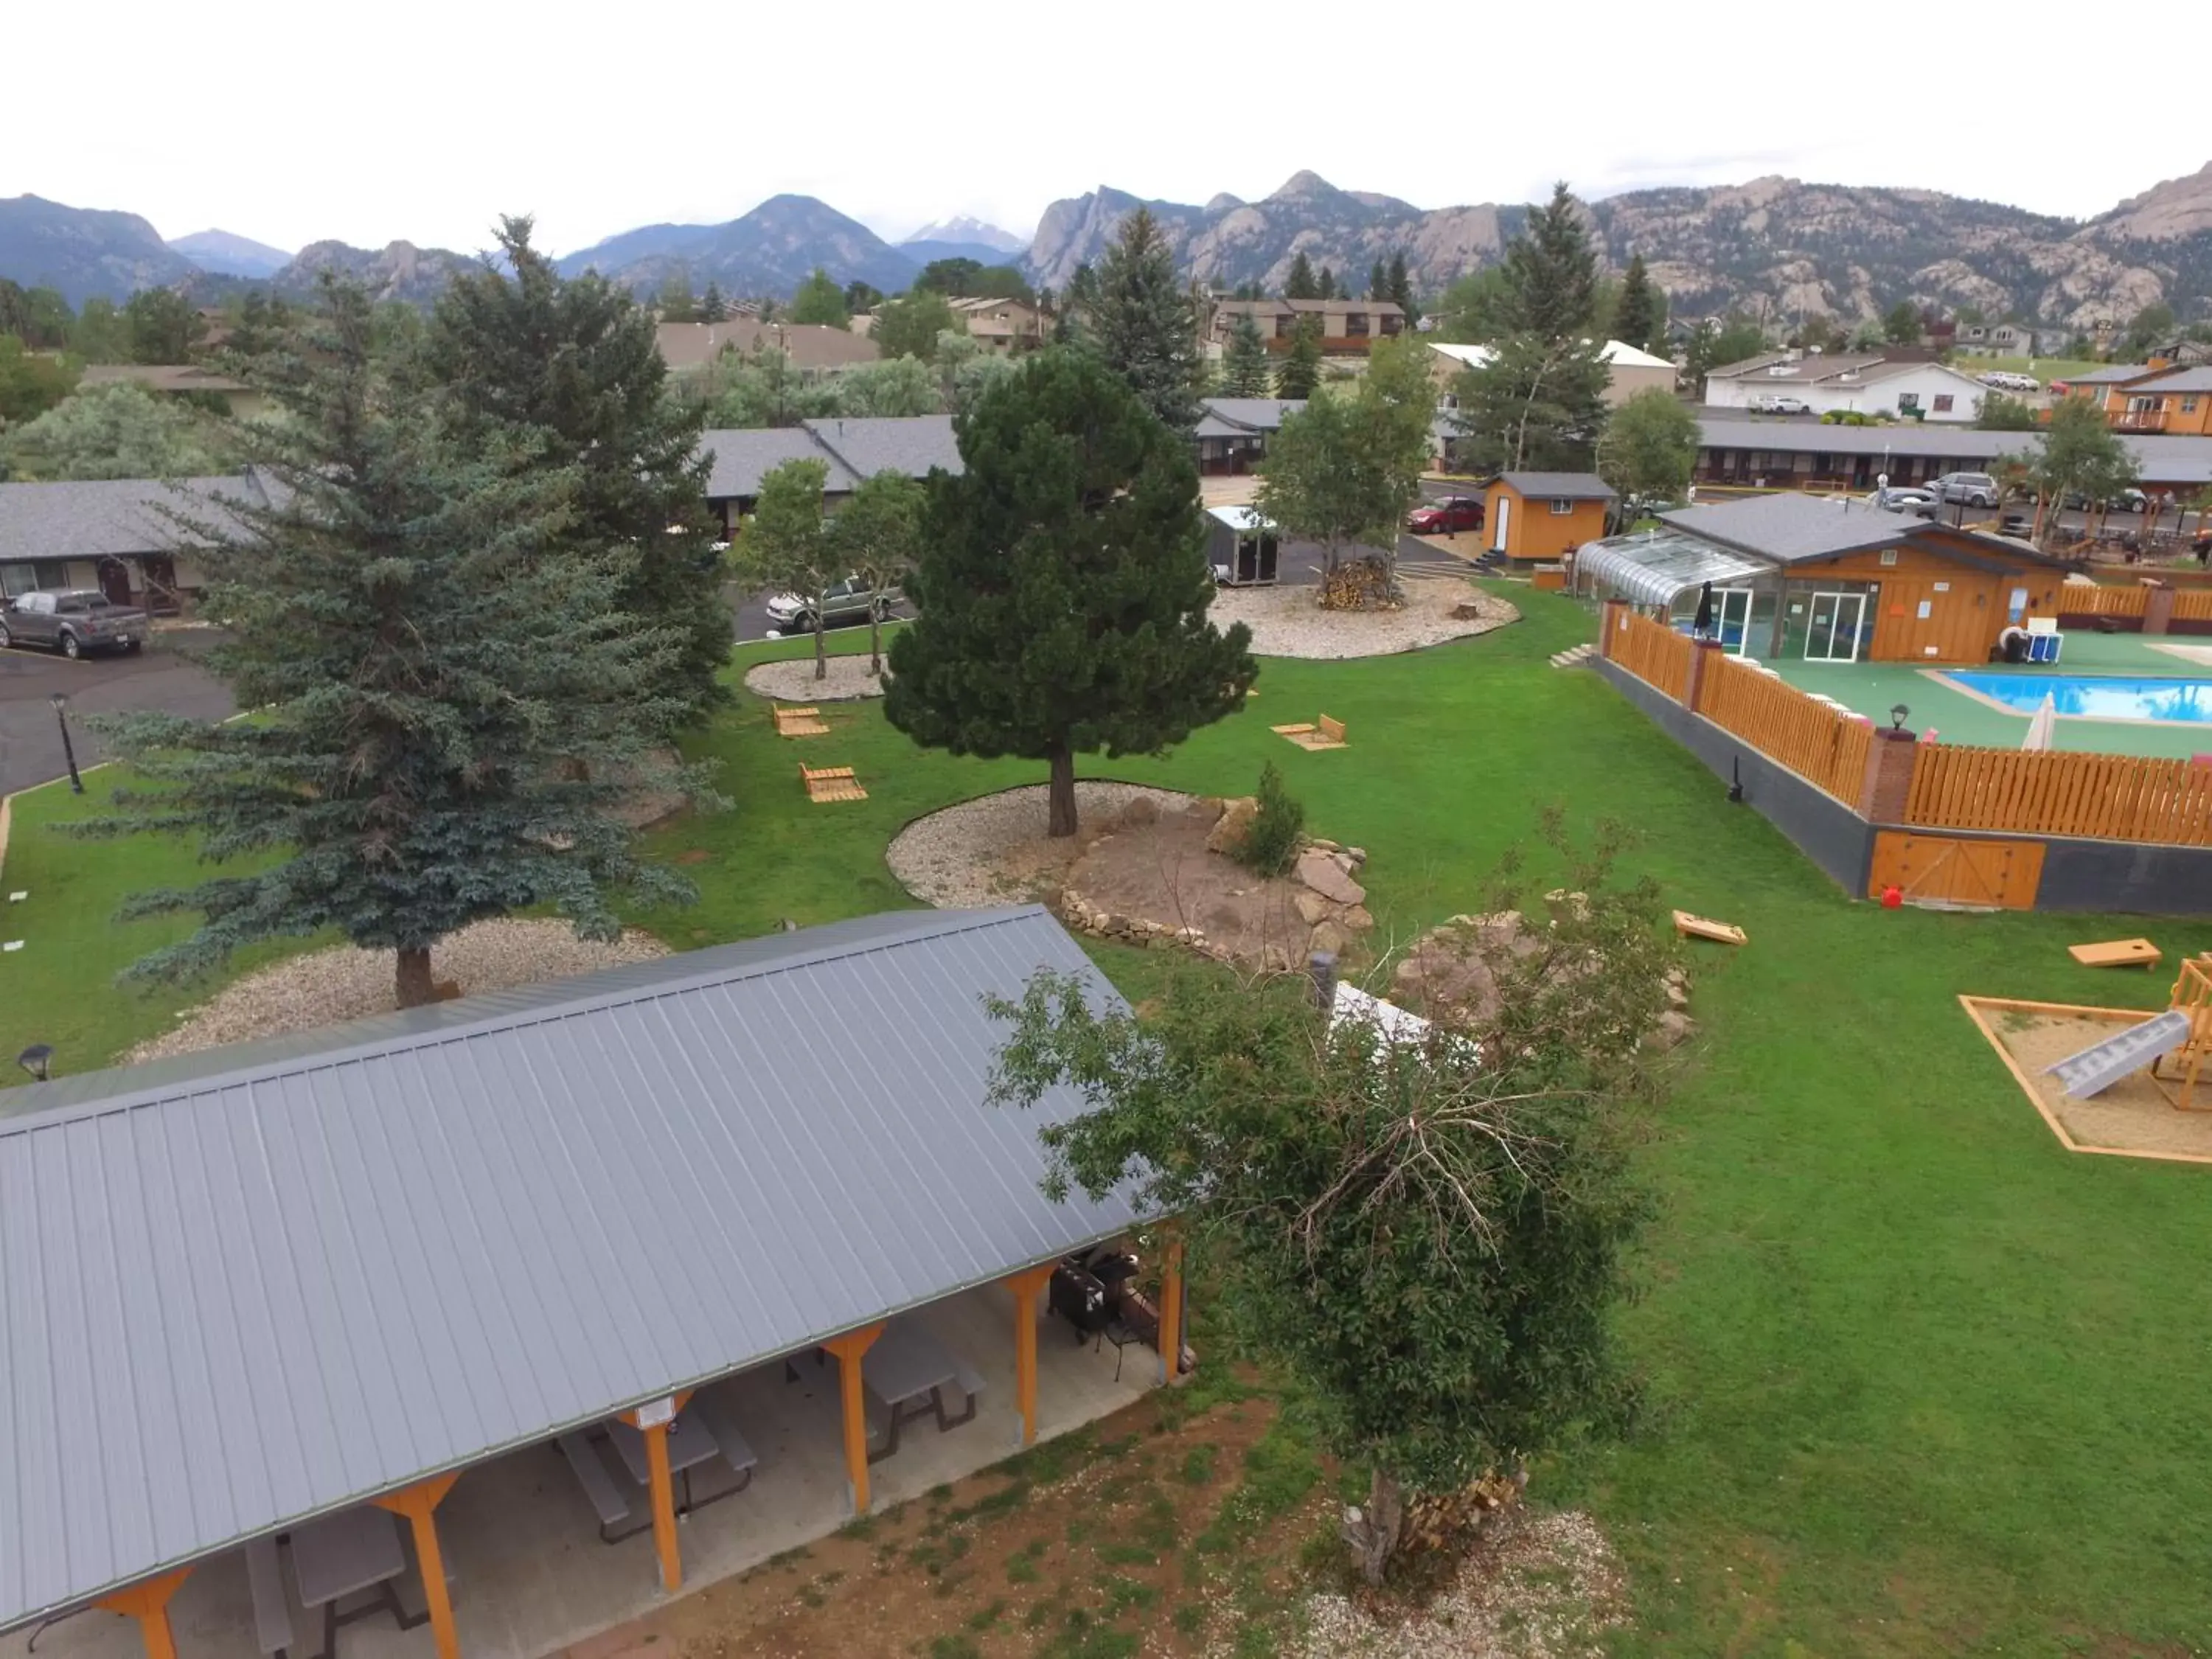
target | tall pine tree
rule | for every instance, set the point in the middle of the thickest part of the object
(1402, 287)
(1378, 280)
(572, 365)
(1551, 272)
(1245, 371)
(1300, 284)
(1325, 284)
(1636, 315)
(451, 701)
(1301, 370)
(1141, 323)
(1062, 584)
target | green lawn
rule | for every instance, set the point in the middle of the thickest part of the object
(1920, 1382)
(2045, 369)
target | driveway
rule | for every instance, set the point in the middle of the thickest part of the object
(162, 677)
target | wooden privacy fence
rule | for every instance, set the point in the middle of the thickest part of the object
(1653, 652)
(2192, 604)
(2058, 793)
(1825, 746)
(2076, 600)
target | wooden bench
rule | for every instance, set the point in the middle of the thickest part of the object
(799, 722)
(1548, 578)
(272, 1613)
(1323, 733)
(1690, 927)
(727, 1439)
(2116, 953)
(599, 1485)
(828, 783)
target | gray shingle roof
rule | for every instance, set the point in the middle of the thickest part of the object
(114, 516)
(910, 444)
(258, 1285)
(2110, 374)
(1253, 414)
(1791, 527)
(2181, 379)
(1947, 441)
(1559, 486)
(743, 456)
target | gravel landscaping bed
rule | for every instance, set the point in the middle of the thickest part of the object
(1287, 622)
(330, 987)
(993, 849)
(794, 682)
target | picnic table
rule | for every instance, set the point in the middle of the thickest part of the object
(343, 1554)
(698, 1434)
(907, 1371)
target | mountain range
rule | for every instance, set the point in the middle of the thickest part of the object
(1774, 247)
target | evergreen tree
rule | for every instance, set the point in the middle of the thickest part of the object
(1142, 325)
(676, 303)
(1550, 286)
(1062, 584)
(1378, 280)
(820, 300)
(451, 702)
(1636, 314)
(1244, 361)
(1300, 284)
(1900, 323)
(1402, 288)
(1325, 284)
(164, 326)
(1301, 371)
(1073, 324)
(1533, 405)
(573, 366)
(861, 296)
(712, 307)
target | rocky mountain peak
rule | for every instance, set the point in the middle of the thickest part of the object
(2168, 212)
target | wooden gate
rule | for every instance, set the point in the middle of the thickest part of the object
(2000, 875)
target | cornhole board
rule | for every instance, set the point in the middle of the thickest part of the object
(831, 783)
(1326, 733)
(1690, 927)
(2116, 953)
(799, 723)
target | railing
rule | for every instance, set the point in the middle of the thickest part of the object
(2058, 793)
(1825, 746)
(1653, 652)
(2140, 420)
(2076, 600)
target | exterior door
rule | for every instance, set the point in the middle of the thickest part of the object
(1504, 516)
(115, 581)
(1831, 628)
(1732, 619)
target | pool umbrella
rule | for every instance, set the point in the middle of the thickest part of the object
(2042, 726)
(1702, 624)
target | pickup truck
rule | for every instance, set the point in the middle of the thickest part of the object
(72, 621)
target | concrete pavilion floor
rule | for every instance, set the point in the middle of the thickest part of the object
(1871, 689)
(529, 1576)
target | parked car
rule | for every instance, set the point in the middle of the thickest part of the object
(1973, 489)
(2128, 501)
(2003, 380)
(1773, 405)
(1904, 498)
(1447, 517)
(72, 621)
(850, 601)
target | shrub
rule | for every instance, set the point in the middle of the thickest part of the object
(1272, 843)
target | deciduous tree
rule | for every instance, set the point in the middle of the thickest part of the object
(119, 431)
(785, 545)
(1473, 309)
(675, 302)
(877, 536)
(892, 386)
(1900, 323)
(2080, 456)
(164, 326)
(1141, 323)
(1649, 448)
(1245, 371)
(1062, 584)
(31, 382)
(451, 702)
(1999, 413)
(820, 300)
(909, 326)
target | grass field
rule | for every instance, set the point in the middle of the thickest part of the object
(2045, 369)
(1920, 1382)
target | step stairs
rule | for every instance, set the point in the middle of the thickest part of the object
(1574, 656)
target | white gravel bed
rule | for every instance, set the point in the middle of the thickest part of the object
(345, 982)
(1546, 1587)
(794, 682)
(1289, 622)
(993, 849)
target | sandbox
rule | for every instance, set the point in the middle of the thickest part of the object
(2133, 1118)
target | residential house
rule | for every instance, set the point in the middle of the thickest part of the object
(849, 450)
(119, 535)
(686, 347)
(2106, 385)
(2174, 401)
(1232, 433)
(1004, 325)
(1532, 517)
(1348, 327)
(1628, 370)
(1879, 383)
(1831, 580)
(177, 380)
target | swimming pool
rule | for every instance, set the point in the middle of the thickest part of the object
(2094, 696)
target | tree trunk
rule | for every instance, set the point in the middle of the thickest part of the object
(1373, 1532)
(1062, 819)
(821, 643)
(875, 640)
(412, 977)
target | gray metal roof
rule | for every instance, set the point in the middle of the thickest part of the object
(1558, 486)
(1252, 414)
(271, 1282)
(911, 444)
(2110, 374)
(742, 456)
(2161, 458)
(1791, 527)
(96, 518)
(2199, 379)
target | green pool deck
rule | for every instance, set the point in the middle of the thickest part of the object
(1871, 689)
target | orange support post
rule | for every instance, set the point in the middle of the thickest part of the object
(417, 1503)
(849, 1348)
(662, 1486)
(1026, 1286)
(1171, 1312)
(147, 1601)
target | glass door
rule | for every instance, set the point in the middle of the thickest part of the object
(1732, 619)
(1831, 632)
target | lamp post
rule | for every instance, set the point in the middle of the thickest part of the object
(68, 750)
(37, 1059)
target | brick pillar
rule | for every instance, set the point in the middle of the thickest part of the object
(1693, 683)
(1609, 619)
(2158, 605)
(1890, 760)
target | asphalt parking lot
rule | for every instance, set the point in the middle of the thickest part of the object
(164, 676)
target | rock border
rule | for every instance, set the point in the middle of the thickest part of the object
(1278, 627)
(791, 679)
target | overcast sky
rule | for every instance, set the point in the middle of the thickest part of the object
(421, 121)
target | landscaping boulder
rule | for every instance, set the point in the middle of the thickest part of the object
(1228, 835)
(1312, 906)
(1320, 871)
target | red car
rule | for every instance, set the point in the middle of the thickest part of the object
(1447, 517)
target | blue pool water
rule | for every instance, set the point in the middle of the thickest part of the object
(2094, 696)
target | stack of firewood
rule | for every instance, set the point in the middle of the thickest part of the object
(1453, 1520)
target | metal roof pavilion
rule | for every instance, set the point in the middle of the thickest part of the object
(261, 1284)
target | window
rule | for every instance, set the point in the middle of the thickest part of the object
(1286, 326)
(1355, 324)
(1561, 508)
(2189, 405)
(16, 578)
(1942, 402)
(1908, 400)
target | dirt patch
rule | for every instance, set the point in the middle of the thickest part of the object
(993, 849)
(793, 681)
(1289, 622)
(328, 986)
(2132, 1116)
